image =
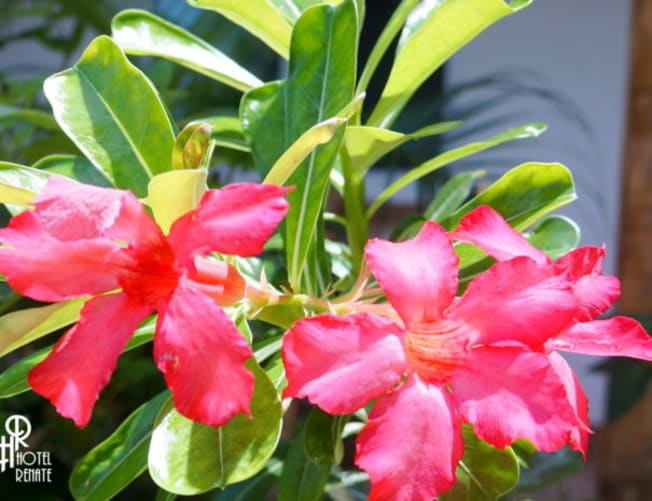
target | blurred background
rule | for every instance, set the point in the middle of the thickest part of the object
(581, 66)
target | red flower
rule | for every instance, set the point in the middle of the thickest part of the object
(85, 240)
(484, 358)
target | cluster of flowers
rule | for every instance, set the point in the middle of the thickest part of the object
(430, 359)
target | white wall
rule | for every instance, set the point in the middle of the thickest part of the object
(581, 50)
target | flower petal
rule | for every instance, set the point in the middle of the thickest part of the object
(42, 267)
(508, 393)
(579, 439)
(342, 363)
(516, 301)
(596, 293)
(203, 357)
(70, 210)
(418, 276)
(412, 443)
(486, 229)
(82, 362)
(618, 336)
(237, 219)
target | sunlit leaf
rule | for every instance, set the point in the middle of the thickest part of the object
(555, 235)
(172, 194)
(433, 32)
(453, 194)
(226, 132)
(188, 458)
(523, 132)
(21, 327)
(194, 147)
(366, 145)
(139, 32)
(114, 115)
(114, 463)
(19, 184)
(261, 18)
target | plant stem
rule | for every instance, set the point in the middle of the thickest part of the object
(357, 229)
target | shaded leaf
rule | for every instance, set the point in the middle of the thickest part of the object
(139, 32)
(453, 194)
(122, 457)
(323, 437)
(74, 167)
(40, 118)
(484, 473)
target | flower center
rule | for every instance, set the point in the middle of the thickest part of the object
(436, 350)
(151, 276)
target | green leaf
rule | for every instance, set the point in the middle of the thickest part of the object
(122, 457)
(19, 184)
(302, 478)
(262, 18)
(13, 381)
(141, 33)
(484, 473)
(555, 235)
(433, 32)
(453, 194)
(257, 487)
(320, 84)
(113, 114)
(261, 111)
(366, 145)
(40, 118)
(21, 327)
(523, 195)
(189, 458)
(73, 167)
(323, 437)
(523, 132)
(290, 160)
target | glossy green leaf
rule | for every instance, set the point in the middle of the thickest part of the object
(189, 458)
(258, 487)
(433, 32)
(13, 381)
(262, 111)
(366, 145)
(19, 184)
(122, 457)
(21, 327)
(73, 167)
(555, 235)
(320, 84)
(318, 134)
(113, 114)
(453, 194)
(524, 194)
(141, 33)
(484, 473)
(261, 18)
(323, 437)
(523, 132)
(40, 118)
(302, 478)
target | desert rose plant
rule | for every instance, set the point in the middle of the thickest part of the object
(438, 349)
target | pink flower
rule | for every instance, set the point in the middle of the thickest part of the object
(83, 240)
(485, 358)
